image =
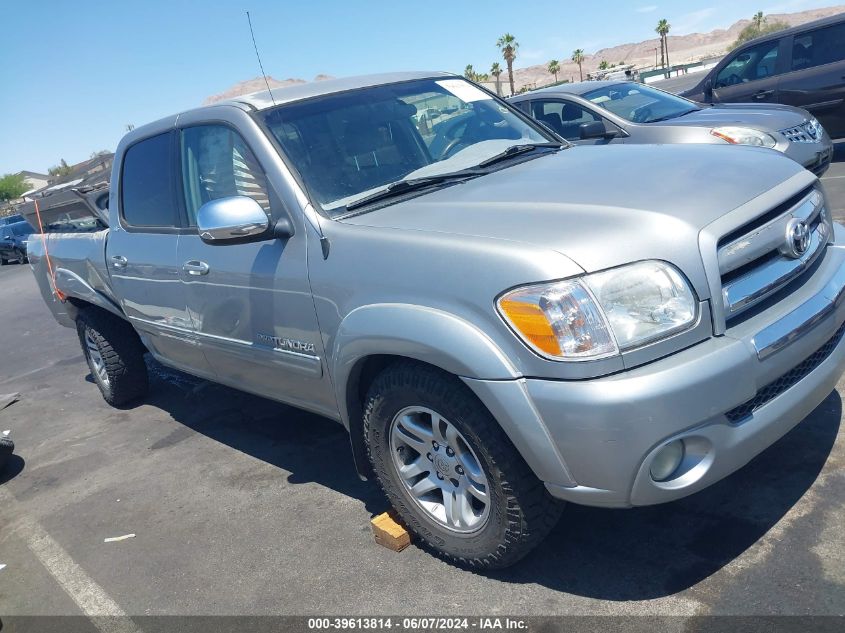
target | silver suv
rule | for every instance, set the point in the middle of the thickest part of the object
(496, 326)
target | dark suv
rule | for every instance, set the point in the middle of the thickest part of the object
(803, 66)
(13, 241)
(11, 219)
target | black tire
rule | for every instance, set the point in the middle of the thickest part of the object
(21, 256)
(521, 512)
(3, 261)
(7, 447)
(121, 352)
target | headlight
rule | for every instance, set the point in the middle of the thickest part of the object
(744, 136)
(816, 128)
(600, 314)
(644, 301)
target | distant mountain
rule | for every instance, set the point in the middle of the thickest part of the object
(254, 85)
(682, 49)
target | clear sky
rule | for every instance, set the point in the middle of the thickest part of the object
(73, 74)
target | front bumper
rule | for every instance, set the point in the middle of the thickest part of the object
(728, 398)
(815, 157)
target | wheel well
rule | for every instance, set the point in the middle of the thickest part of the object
(80, 305)
(360, 379)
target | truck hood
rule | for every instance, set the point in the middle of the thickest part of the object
(601, 206)
(766, 117)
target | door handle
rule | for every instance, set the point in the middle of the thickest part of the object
(119, 261)
(195, 267)
(763, 94)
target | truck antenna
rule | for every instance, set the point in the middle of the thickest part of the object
(260, 65)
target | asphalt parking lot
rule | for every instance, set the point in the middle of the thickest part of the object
(243, 506)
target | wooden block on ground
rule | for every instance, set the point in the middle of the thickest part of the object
(389, 533)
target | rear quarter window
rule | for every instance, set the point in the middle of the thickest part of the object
(147, 184)
(819, 47)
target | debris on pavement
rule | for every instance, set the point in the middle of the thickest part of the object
(389, 533)
(8, 398)
(2, 566)
(113, 539)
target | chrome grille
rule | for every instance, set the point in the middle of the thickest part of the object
(760, 261)
(807, 132)
(789, 379)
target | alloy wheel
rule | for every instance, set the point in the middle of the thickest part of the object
(439, 469)
(97, 362)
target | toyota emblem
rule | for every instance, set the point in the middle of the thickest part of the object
(797, 238)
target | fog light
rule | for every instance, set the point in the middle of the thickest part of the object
(667, 460)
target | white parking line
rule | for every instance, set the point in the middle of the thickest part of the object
(91, 598)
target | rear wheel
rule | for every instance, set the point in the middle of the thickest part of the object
(450, 471)
(3, 261)
(115, 356)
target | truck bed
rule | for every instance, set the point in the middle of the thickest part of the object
(79, 263)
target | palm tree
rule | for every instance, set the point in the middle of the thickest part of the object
(508, 45)
(758, 21)
(469, 73)
(578, 58)
(663, 31)
(554, 68)
(496, 70)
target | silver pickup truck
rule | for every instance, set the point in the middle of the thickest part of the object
(496, 326)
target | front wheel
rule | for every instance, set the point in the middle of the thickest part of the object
(21, 257)
(451, 472)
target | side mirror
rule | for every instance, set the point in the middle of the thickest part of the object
(707, 90)
(595, 129)
(231, 220)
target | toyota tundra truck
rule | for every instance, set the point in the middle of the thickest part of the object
(496, 327)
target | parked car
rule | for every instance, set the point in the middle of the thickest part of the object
(803, 66)
(494, 325)
(11, 219)
(601, 112)
(13, 239)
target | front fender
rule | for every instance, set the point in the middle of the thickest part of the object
(458, 347)
(418, 332)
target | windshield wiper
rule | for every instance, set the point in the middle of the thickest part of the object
(401, 187)
(673, 116)
(515, 150)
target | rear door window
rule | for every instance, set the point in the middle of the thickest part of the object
(147, 185)
(819, 47)
(757, 62)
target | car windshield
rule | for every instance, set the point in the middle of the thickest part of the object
(639, 103)
(351, 145)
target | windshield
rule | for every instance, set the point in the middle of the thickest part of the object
(639, 103)
(349, 145)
